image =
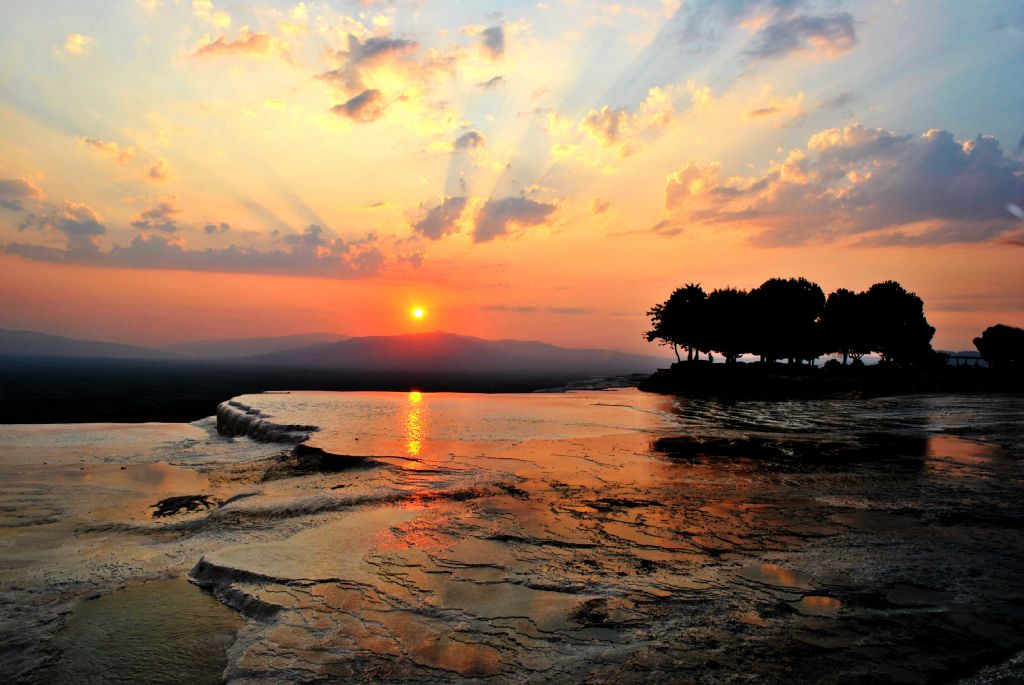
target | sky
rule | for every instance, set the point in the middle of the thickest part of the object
(187, 169)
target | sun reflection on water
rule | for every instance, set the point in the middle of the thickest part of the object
(414, 427)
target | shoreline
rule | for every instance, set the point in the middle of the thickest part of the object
(38, 390)
(759, 381)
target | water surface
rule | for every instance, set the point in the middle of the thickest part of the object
(581, 537)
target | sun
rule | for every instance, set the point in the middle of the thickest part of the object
(417, 312)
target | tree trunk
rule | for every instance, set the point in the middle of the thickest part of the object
(675, 348)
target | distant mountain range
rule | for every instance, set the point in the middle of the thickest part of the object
(233, 348)
(430, 352)
(32, 344)
(447, 352)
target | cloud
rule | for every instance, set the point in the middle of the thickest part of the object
(492, 41)
(248, 44)
(884, 187)
(395, 68)
(470, 140)
(77, 44)
(599, 206)
(829, 35)
(205, 10)
(493, 82)
(217, 229)
(14, 192)
(366, 107)
(160, 171)
(940, 235)
(604, 125)
(780, 27)
(487, 218)
(358, 63)
(616, 130)
(107, 148)
(79, 224)
(158, 217)
(311, 253)
(498, 217)
(441, 219)
(154, 168)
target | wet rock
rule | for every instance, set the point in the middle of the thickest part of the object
(237, 419)
(171, 506)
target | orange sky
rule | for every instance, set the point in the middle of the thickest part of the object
(182, 170)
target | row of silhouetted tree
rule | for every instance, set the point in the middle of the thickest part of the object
(791, 319)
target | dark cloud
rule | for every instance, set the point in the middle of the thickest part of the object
(492, 40)
(908, 190)
(364, 55)
(14, 192)
(160, 170)
(789, 26)
(159, 217)
(79, 224)
(311, 253)
(377, 47)
(497, 217)
(441, 220)
(494, 82)
(366, 107)
(410, 73)
(1020, 146)
(470, 139)
(217, 229)
(832, 34)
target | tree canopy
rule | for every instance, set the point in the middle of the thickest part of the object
(792, 319)
(1002, 347)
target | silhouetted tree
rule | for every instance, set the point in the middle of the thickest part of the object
(896, 326)
(1002, 346)
(791, 319)
(844, 324)
(728, 319)
(786, 313)
(679, 320)
(661, 319)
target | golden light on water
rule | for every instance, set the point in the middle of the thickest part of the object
(414, 427)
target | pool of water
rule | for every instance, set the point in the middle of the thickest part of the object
(162, 632)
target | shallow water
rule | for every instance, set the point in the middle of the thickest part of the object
(162, 632)
(583, 537)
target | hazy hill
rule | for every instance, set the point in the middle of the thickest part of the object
(447, 352)
(246, 347)
(32, 344)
